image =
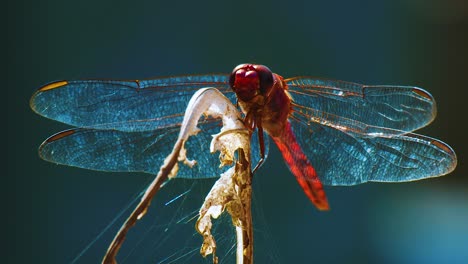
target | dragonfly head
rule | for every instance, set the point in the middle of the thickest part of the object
(250, 80)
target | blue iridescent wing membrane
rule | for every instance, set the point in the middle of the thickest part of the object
(341, 158)
(356, 133)
(123, 105)
(143, 151)
(362, 109)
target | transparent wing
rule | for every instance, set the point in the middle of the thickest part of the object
(123, 105)
(144, 151)
(346, 159)
(362, 109)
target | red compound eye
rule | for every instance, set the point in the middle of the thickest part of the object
(248, 80)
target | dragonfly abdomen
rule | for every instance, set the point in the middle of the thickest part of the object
(301, 168)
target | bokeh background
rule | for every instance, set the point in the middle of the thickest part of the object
(51, 213)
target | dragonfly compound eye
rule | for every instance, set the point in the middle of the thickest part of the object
(249, 80)
(266, 78)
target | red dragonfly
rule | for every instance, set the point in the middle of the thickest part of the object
(329, 132)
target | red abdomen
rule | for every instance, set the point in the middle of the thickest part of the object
(301, 168)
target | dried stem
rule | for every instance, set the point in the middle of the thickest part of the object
(244, 231)
(231, 192)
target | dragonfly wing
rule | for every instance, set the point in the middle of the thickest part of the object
(346, 159)
(144, 151)
(123, 105)
(362, 109)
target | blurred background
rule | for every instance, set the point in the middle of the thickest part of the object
(53, 212)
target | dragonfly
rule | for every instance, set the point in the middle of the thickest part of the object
(329, 132)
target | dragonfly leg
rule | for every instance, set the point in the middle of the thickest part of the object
(261, 142)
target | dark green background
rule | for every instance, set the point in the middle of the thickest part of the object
(52, 212)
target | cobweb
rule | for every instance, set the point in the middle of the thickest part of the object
(167, 232)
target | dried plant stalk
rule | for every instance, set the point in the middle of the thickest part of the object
(231, 193)
(236, 181)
